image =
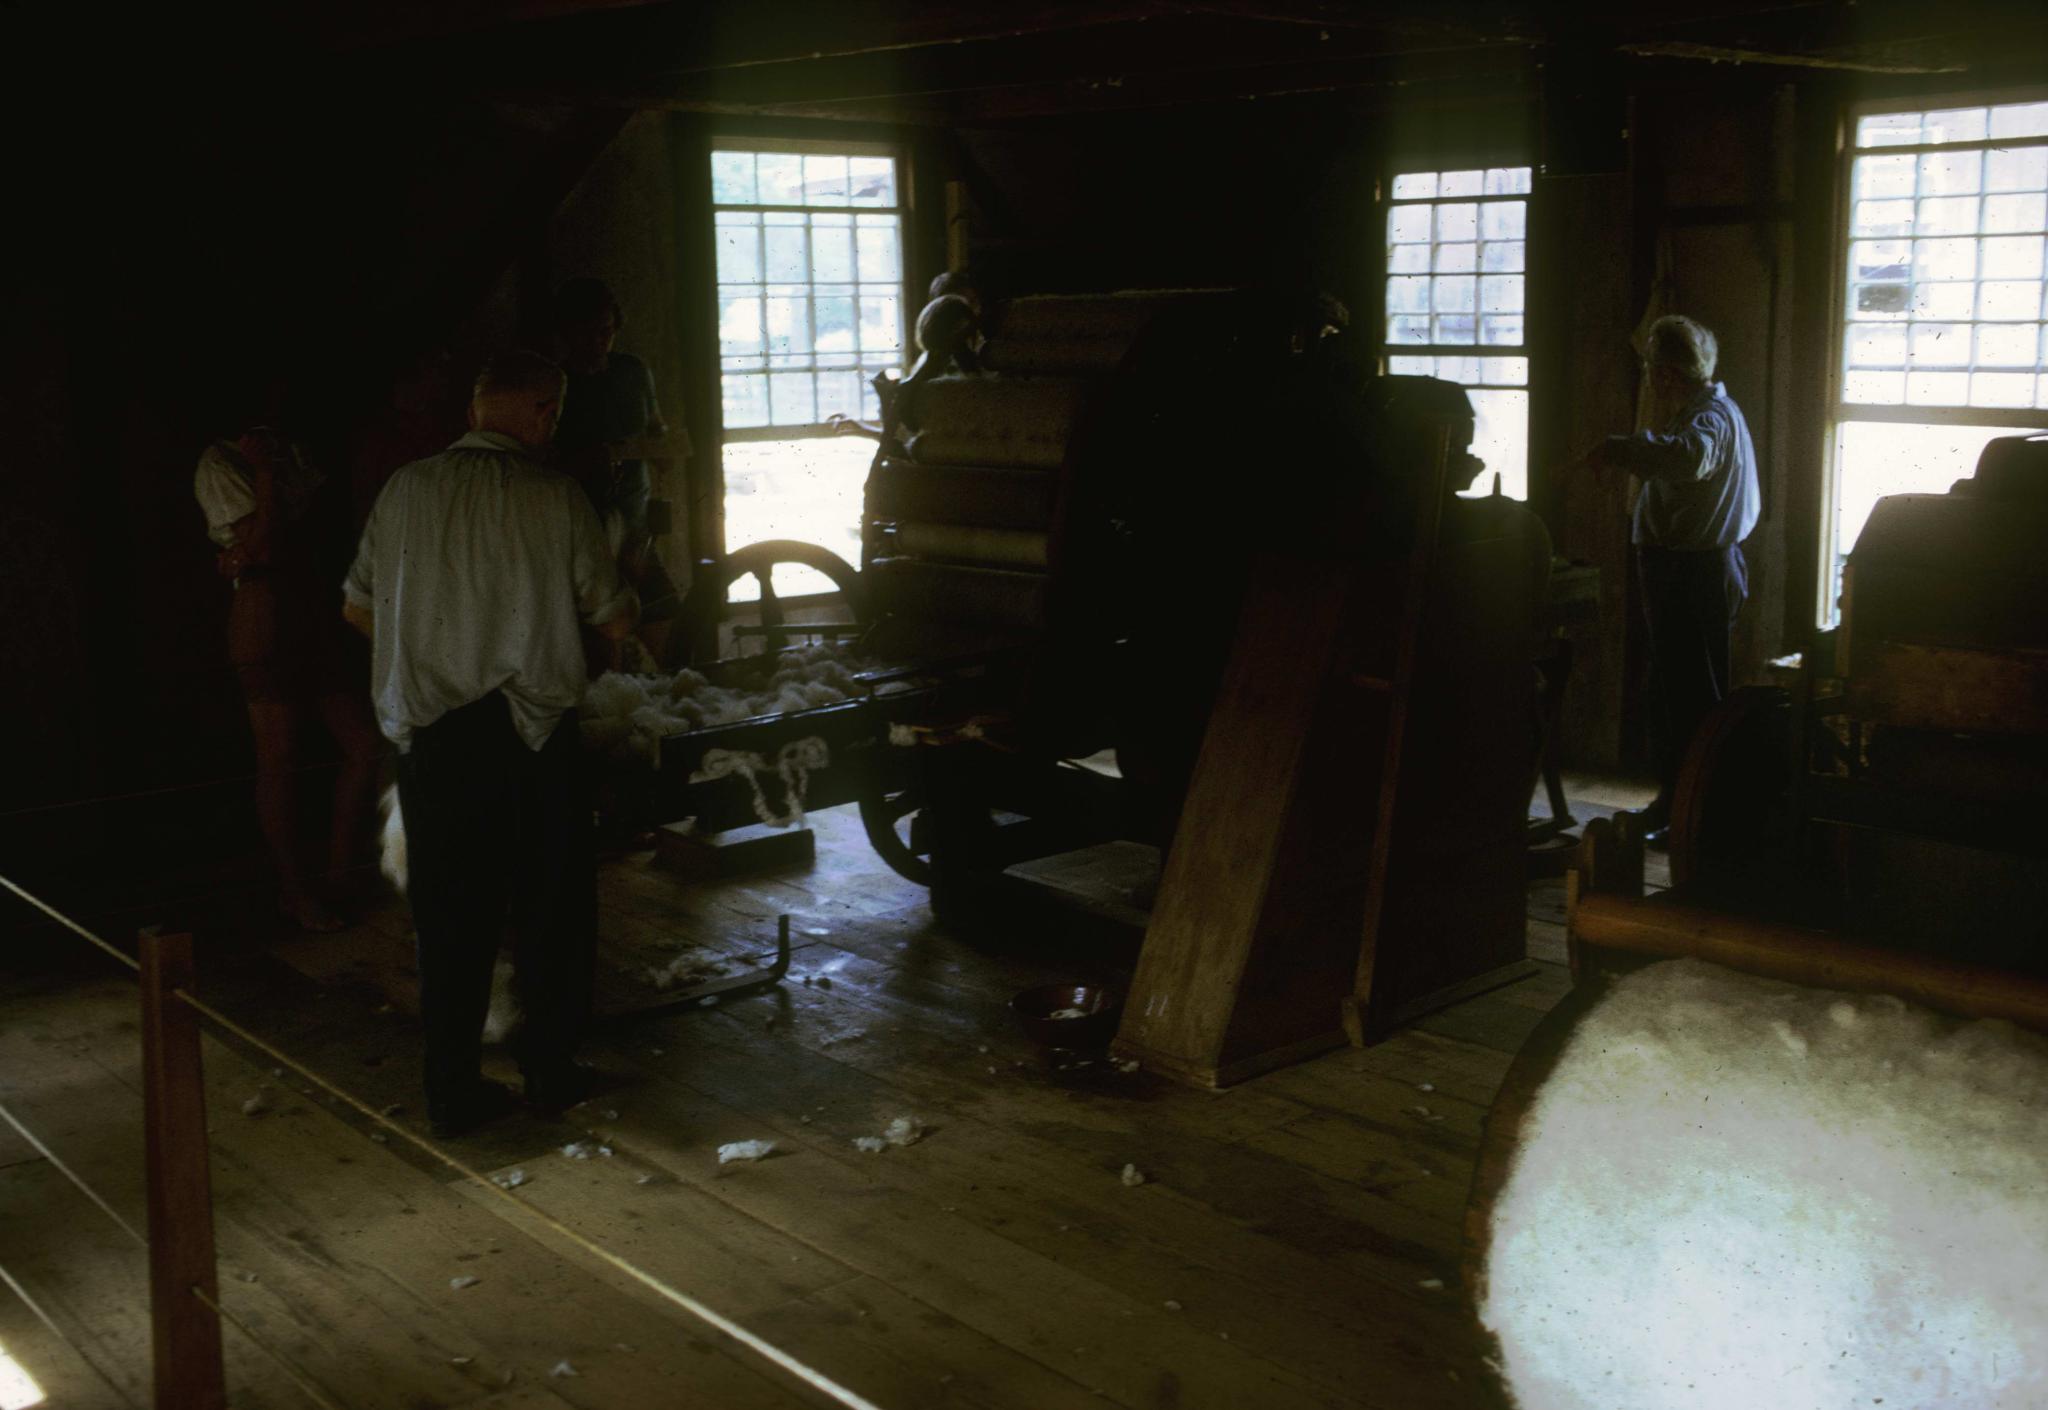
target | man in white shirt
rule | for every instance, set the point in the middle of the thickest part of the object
(477, 572)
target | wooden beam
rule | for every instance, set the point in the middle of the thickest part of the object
(1723, 54)
(184, 1331)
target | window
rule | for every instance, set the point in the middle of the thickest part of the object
(809, 241)
(1941, 346)
(1456, 243)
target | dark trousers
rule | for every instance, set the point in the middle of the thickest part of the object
(498, 836)
(1690, 598)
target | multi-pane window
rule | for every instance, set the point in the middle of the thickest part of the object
(1456, 265)
(809, 239)
(810, 281)
(1942, 336)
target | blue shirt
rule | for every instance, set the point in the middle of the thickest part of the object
(1699, 475)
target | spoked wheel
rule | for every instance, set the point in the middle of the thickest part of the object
(704, 607)
(893, 823)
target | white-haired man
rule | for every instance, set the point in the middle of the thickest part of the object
(477, 571)
(1699, 501)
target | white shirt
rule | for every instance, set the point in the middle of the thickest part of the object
(1699, 475)
(479, 566)
(226, 495)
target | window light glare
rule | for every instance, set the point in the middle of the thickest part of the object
(18, 1389)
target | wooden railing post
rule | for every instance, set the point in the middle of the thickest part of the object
(184, 1331)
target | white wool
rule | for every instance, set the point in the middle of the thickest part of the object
(744, 1150)
(873, 1145)
(579, 1150)
(624, 716)
(903, 1131)
(794, 763)
(510, 1180)
(1132, 1175)
(467, 1280)
(391, 841)
(1068, 1013)
(1734, 1192)
(564, 1368)
(505, 1015)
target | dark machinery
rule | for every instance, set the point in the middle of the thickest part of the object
(1895, 792)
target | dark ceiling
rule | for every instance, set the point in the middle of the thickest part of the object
(987, 62)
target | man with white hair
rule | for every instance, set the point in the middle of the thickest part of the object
(1699, 501)
(477, 571)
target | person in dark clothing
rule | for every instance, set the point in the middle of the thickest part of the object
(1700, 499)
(611, 440)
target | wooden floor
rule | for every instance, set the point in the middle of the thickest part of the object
(1295, 1242)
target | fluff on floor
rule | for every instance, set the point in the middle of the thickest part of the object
(1734, 1192)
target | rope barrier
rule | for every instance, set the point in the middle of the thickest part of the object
(73, 1176)
(760, 1346)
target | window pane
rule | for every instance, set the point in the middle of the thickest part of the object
(2009, 213)
(1953, 125)
(787, 259)
(1941, 345)
(1457, 259)
(746, 400)
(732, 178)
(1409, 367)
(1888, 130)
(1501, 293)
(739, 326)
(1944, 301)
(1880, 301)
(1883, 218)
(1874, 388)
(880, 261)
(1944, 259)
(831, 253)
(2020, 120)
(835, 325)
(881, 328)
(1883, 178)
(2012, 257)
(872, 181)
(1877, 345)
(1408, 259)
(2008, 299)
(1461, 183)
(789, 325)
(1878, 261)
(1407, 328)
(1463, 370)
(838, 394)
(1937, 388)
(782, 179)
(2002, 389)
(1501, 330)
(1415, 186)
(1457, 222)
(1507, 181)
(1407, 295)
(1948, 215)
(1502, 220)
(1407, 225)
(739, 253)
(1504, 371)
(1503, 256)
(2008, 345)
(2022, 170)
(790, 399)
(1453, 293)
(825, 181)
(1452, 328)
(1950, 173)
(808, 490)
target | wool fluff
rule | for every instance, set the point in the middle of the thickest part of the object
(1734, 1192)
(624, 716)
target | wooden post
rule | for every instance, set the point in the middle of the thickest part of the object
(184, 1332)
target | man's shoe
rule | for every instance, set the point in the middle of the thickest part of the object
(559, 1087)
(469, 1108)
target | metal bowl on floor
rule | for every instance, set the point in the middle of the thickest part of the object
(1074, 1017)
